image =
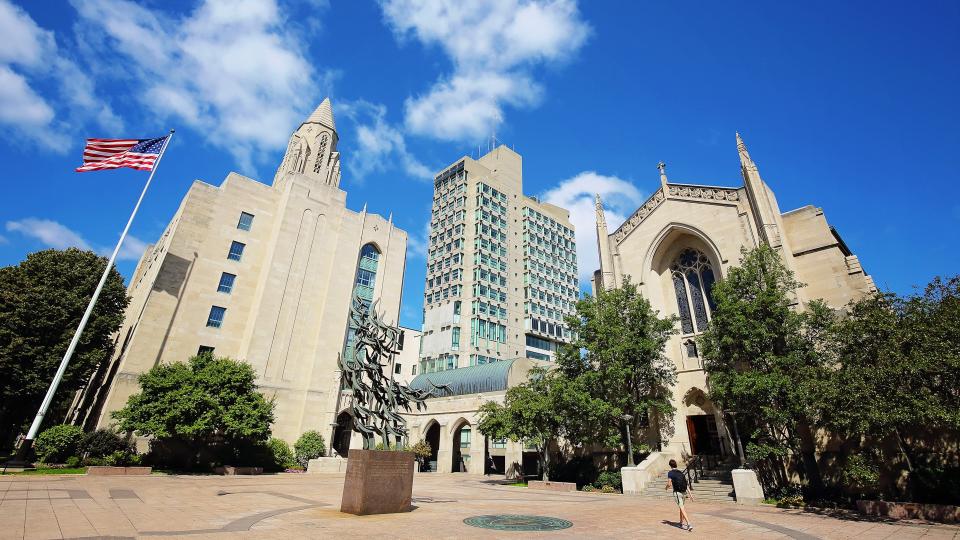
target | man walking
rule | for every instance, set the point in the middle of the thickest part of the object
(681, 491)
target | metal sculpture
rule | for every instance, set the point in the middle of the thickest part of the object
(375, 398)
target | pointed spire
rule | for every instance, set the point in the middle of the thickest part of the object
(742, 148)
(663, 177)
(323, 115)
(601, 219)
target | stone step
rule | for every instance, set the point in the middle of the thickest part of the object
(666, 495)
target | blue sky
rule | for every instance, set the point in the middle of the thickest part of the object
(850, 106)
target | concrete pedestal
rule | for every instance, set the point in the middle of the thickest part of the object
(377, 482)
(746, 487)
(327, 465)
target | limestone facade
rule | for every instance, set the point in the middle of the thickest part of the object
(263, 274)
(683, 239)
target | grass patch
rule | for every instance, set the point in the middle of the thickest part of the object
(41, 471)
(517, 484)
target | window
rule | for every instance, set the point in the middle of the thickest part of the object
(396, 369)
(226, 283)
(499, 443)
(465, 437)
(455, 339)
(691, 347)
(365, 277)
(215, 320)
(236, 251)
(693, 280)
(413, 369)
(205, 349)
(246, 221)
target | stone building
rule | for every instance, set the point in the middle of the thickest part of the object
(683, 239)
(449, 422)
(262, 273)
(501, 267)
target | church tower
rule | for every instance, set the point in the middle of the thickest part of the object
(759, 196)
(312, 150)
(605, 277)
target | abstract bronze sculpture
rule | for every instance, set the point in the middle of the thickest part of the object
(376, 399)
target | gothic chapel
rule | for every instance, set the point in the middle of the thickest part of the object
(264, 274)
(682, 240)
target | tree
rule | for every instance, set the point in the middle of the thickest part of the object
(617, 356)
(766, 360)
(41, 302)
(309, 446)
(539, 412)
(206, 402)
(898, 375)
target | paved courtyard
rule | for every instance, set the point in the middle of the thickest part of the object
(306, 506)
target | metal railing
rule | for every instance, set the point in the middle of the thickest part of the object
(698, 465)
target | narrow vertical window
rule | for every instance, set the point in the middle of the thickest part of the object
(215, 319)
(246, 221)
(236, 251)
(693, 280)
(226, 283)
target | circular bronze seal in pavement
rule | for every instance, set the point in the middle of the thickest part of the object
(516, 522)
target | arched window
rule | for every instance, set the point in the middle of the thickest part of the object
(363, 283)
(693, 281)
(321, 151)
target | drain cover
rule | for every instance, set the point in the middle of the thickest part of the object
(515, 522)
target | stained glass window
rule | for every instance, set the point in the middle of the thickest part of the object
(363, 285)
(693, 280)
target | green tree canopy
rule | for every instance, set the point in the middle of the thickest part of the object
(764, 358)
(617, 356)
(898, 374)
(41, 302)
(538, 412)
(203, 402)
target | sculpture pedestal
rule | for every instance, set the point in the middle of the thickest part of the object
(746, 486)
(377, 482)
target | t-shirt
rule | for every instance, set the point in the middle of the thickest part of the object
(677, 480)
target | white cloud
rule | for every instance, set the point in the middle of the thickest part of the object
(28, 59)
(577, 195)
(417, 243)
(380, 146)
(58, 236)
(48, 232)
(234, 69)
(493, 45)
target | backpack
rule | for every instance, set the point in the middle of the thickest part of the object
(679, 483)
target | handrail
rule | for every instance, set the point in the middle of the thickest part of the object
(694, 470)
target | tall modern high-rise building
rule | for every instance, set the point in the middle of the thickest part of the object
(501, 267)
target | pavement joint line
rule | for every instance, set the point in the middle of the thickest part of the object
(792, 533)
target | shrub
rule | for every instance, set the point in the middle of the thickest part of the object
(608, 489)
(92, 462)
(282, 454)
(73, 462)
(58, 443)
(102, 443)
(122, 458)
(392, 447)
(580, 470)
(201, 411)
(308, 446)
(589, 488)
(610, 478)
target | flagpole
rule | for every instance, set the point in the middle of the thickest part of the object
(31, 435)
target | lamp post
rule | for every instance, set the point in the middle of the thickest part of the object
(627, 418)
(736, 434)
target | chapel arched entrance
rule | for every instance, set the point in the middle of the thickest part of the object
(462, 440)
(343, 433)
(433, 439)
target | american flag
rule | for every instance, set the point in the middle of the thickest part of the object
(140, 154)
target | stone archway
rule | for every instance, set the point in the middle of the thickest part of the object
(462, 441)
(432, 436)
